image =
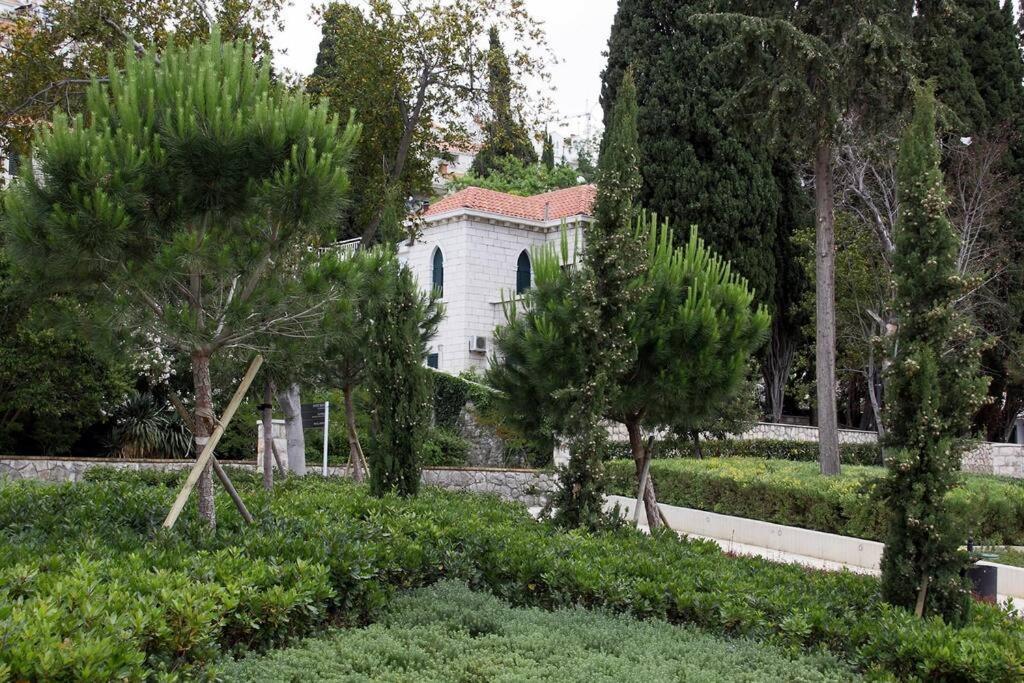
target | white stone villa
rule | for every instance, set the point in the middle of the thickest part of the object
(475, 248)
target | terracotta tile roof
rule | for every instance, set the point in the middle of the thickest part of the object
(551, 206)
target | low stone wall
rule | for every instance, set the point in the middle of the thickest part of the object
(530, 487)
(73, 469)
(787, 432)
(1005, 459)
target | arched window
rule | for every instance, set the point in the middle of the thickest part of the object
(523, 273)
(437, 274)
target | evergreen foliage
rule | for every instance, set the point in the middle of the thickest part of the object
(934, 386)
(402, 321)
(358, 69)
(513, 176)
(185, 205)
(504, 133)
(647, 333)
(547, 157)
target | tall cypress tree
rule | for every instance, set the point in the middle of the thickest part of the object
(702, 170)
(504, 134)
(547, 157)
(933, 387)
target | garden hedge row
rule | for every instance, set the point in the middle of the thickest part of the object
(92, 589)
(769, 449)
(449, 633)
(989, 509)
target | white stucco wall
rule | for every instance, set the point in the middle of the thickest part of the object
(480, 263)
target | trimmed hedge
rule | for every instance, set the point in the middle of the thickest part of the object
(991, 509)
(92, 589)
(449, 633)
(767, 449)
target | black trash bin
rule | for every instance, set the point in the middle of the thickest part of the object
(983, 582)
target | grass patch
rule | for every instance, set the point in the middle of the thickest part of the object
(989, 509)
(449, 633)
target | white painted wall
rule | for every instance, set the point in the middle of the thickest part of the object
(480, 262)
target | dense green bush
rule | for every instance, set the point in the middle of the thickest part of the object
(769, 449)
(92, 589)
(448, 633)
(444, 448)
(990, 509)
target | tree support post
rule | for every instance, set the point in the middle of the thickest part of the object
(207, 454)
(221, 473)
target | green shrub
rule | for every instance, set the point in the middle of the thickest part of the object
(92, 589)
(989, 509)
(769, 449)
(448, 633)
(444, 448)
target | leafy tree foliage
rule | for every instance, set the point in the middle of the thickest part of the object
(817, 63)
(513, 176)
(51, 54)
(186, 205)
(54, 385)
(436, 47)
(403, 321)
(934, 385)
(504, 134)
(358, 68)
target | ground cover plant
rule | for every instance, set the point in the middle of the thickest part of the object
(92, 589)
(450, 633)
(987, 508)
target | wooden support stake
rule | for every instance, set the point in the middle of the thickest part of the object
(222, 475)
(230, 488)
(218, 431)
(277, 457)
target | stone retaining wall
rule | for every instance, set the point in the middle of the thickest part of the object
(530, 487)
(788, 432)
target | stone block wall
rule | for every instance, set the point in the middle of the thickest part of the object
(73, 469)
(788, 432)
(530, 487)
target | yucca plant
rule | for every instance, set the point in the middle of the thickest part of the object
(145, 427)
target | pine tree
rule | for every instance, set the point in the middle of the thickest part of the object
(933, 387)
(939, 30)
(186, 204)
(699, 168)
(548, 156)
(504, 134)
(647, 334)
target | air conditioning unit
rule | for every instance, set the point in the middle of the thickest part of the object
(478, 344)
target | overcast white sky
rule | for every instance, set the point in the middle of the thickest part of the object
(577, 31)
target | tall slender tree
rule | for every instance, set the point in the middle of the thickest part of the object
(817, 63)
(934, 385)
(402, 323)
(504, 134)
(186, 205)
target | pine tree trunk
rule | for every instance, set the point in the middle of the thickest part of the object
(268, 436)
(355, 449)
(825, 347)
(639, 450)
(290, 400)
(204, 423)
